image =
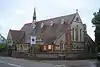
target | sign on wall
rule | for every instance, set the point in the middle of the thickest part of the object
(33, 39)
(77, 46)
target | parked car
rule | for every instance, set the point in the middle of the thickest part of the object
(98, 55)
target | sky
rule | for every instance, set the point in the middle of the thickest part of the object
(15, 13)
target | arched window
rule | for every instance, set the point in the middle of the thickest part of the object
(61, 45)
(77, 19)
(42, 24)
(77, 33)
(73, 34)
(80, 34)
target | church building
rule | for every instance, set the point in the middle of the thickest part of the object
(64, 32)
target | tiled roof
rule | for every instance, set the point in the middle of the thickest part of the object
(17, 35)
(67, 18)
(49, 33)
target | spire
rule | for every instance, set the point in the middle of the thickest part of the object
(34, 15)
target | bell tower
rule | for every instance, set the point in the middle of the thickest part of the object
(33, 36)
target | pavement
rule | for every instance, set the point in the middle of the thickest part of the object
(16, 62)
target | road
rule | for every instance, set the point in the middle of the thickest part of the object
(75, 63)
(13, 62)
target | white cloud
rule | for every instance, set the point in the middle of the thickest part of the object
(19, 12)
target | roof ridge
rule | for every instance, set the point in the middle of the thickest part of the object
(56, 17)
(28, 23)
(17, 30)
(14, 30)
(51, 18)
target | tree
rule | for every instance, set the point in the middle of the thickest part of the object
(96, 21)
(2, 47)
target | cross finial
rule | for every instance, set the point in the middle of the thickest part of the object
(76, 10)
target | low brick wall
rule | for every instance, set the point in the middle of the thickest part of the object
(19, 55)
(3, 53)
(26, 55)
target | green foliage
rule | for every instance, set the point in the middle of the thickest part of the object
(2, 46)
(96, 22)
(96, 18)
